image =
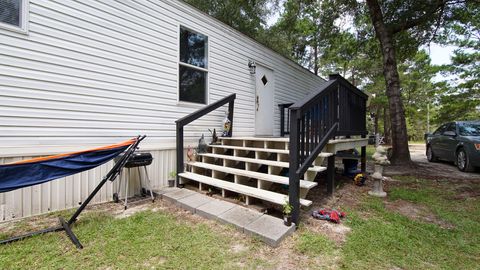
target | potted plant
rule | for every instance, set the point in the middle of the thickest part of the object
(287, 214)
(171, 178)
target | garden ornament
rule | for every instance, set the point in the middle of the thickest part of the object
(214, 136)
(380, 159)
(202, 145)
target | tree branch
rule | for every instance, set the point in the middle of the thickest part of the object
(439, 6)
(439, 21)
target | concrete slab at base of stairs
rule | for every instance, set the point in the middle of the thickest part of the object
(239, 217)
(271, 230)
(191, 203)
(160, 192)
(178, 194)
(214, 209)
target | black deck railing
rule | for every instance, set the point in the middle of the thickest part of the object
(336, 109)
(182, 122)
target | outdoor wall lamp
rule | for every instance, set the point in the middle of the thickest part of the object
(252, 67)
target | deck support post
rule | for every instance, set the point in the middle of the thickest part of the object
(231, 106)
(331, 175)
(179, 153)
(293, 177)
(363, 157)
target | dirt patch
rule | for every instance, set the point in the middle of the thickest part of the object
(132, 210)
(26, 225)
(417, 212)
(238, 247)
(335, 232)
(346, 195)
(465, 192)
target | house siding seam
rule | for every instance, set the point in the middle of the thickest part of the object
(90, 73)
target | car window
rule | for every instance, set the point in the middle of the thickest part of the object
(440, 129)
(450, 127)
(469, 129)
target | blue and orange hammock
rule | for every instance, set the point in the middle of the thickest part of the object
(40, 170)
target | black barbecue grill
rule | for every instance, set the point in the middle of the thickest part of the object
(136, 160)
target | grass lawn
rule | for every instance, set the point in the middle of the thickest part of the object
(145, 240)
(423, 224)
(442, 231)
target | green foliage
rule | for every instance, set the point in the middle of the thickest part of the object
(287, 208)
(244, 15)
(418, 93)
(304, 30)
(460, 97)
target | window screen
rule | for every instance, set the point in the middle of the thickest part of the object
(193, 67)
(10, 12)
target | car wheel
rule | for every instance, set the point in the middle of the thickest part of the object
(430, 155)
(463, 162)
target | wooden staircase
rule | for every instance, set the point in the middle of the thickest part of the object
(256, 168)
(268, 169)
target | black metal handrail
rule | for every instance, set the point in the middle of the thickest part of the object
(337, 108)
(182, 122)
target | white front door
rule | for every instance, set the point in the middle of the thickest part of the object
(265, 86)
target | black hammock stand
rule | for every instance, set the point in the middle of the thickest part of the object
(67, 225)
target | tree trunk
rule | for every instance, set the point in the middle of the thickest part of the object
(400, 152)
(386, 127)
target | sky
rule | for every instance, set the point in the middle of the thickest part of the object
(440, 55)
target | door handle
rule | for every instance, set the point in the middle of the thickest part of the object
(257, 103)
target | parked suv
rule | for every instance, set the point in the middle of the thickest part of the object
(458, 142)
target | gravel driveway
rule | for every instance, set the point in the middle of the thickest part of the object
(432, 169)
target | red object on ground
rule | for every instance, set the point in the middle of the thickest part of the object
(329, 214)
(334, 217)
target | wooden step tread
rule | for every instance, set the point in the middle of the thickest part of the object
(267, 150)
(261, 194)
(260, 176)
(261, 161)
(264, 139)
(347, 140)
(285, 139)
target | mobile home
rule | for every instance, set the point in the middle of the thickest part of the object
(77, 74)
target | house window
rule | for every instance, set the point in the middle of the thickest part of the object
(13, 14)
(193, 67)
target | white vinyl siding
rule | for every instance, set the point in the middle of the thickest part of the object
(91, 72)
(95, 72)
